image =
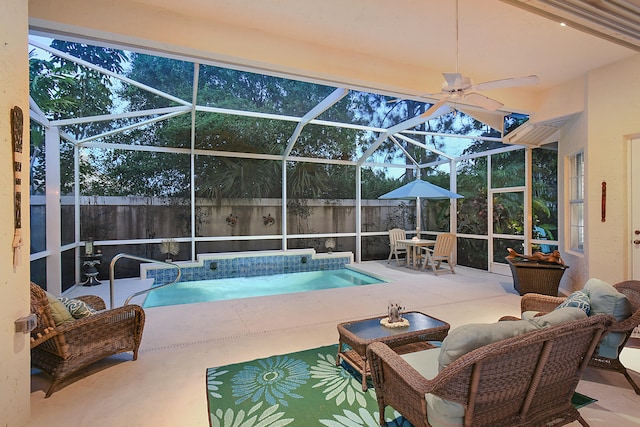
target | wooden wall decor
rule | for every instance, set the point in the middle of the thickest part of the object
(603, 208)
(16, 140)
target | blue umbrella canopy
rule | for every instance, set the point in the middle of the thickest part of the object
(420, 189)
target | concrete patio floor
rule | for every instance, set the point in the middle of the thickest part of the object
(166, 385)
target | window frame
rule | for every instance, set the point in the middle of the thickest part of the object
(576, 201)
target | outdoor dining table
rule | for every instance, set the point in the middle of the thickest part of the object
(413, 246)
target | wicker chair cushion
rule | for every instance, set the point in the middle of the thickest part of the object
(605, 299)
(578, 299)
(424, 361)
(465, 338)
(444, 413)
(440, 412)
(558, 317)
(77, 308)
(59, 312)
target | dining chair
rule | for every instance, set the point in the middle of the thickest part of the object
(441, 251)
(396, 248)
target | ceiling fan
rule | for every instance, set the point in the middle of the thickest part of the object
(458, 88)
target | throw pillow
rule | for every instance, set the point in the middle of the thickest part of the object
(578, 299)
(605, 299)
(77, 308)
(59, 312)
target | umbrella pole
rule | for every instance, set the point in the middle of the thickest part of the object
(418, 217)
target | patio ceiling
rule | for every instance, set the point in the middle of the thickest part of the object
(394, 48)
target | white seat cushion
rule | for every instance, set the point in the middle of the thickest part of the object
(425, 362)
(440, 412)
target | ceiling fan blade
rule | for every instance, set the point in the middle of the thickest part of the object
(481, 101)
(511, 82)
(424, 97)
(434, 108)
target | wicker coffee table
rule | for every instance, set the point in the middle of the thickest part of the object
(358, 334)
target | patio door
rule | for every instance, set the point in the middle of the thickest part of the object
(508, 174)
(506, 230)
(634, 184)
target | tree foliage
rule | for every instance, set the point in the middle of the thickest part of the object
(66, 90)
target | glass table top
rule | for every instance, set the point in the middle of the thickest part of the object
(372, 329)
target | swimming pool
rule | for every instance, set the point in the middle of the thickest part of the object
(244, 287)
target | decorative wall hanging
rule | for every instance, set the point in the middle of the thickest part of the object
(169, 247)
(603, 208)
(268, 220)
(330, 244)
(16, 140)
(232, 220)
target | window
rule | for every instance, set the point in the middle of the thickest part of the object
(576, 200)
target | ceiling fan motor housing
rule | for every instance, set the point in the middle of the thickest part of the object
(456, 82)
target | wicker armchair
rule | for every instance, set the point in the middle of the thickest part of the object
(630, 288)
(62, 350)
(527, 380)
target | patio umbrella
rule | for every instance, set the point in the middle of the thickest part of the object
(419, 189)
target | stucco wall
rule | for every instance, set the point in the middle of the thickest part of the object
(574, 138)
(602, 130)
(614, 112)
(14, 283)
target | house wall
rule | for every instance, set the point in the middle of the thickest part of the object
(574, 138)
(14, 282)
(609, 117)
(614, 115)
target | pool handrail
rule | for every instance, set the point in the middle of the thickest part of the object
(138, 258)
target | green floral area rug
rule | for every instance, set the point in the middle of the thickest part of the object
(580, 400)
(305, 388)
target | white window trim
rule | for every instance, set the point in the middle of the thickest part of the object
(576, 181)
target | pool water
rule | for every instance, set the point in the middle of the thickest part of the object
(244, 287)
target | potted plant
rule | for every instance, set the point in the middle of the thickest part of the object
(169, 247)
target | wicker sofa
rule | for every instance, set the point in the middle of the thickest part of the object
(621, 300)
(511, 373)
(62, 350)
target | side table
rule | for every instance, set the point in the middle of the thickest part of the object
(358, 334)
